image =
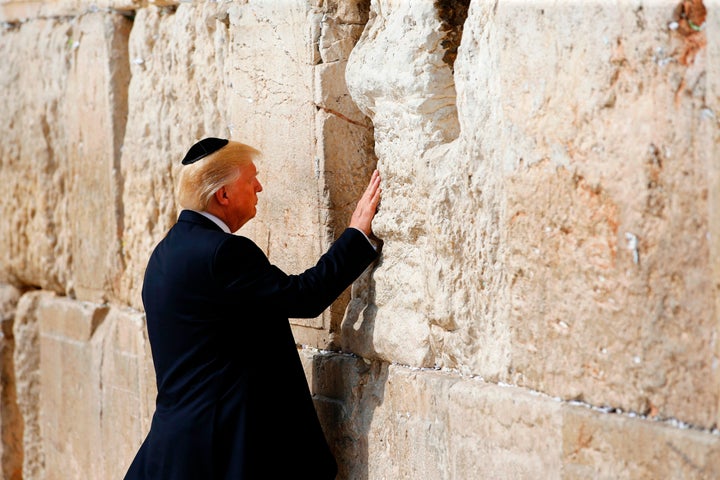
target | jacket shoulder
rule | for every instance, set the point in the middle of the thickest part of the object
(237, 255)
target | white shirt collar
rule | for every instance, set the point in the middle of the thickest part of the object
(215, 220)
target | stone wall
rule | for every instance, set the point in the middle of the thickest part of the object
(546, 304)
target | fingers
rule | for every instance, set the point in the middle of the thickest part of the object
(367, 205)
(369, 190)
(373, 187)
(373, 192)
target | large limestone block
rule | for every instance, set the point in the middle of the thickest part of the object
(709, 133)
(461, 428)
(563, 240)
(393, 422)
(96, 388)
(69, 378)
(346, 391)
(605, 210)
(33, 207)
(95, 117)
(63, 115)
(128, 391)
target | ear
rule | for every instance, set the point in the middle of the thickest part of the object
(221, 196)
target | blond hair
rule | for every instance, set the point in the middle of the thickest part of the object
(199, 181)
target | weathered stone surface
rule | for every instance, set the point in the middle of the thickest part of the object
(64, 127)
(26, 360)
(596, 445)
(23, 10)
(11, 429)
(608, 261)
(562, 241)
(33, 126)
(709, 139)
(397, 76)
(96, 388)
(128, 389)
(69, 409)
(396, 422)
(95, 115)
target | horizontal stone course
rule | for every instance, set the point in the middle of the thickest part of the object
(399, 422)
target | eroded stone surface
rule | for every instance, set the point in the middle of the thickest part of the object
(26, 360)
(561, 242)
(602, 446)
(85, 384)
(11, 428)
(397, 76)
(396, 422)
(64, 131)
(23, 10)
(69, 410)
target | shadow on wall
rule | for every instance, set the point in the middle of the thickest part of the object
(347, 390)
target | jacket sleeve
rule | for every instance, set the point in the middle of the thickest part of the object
(245, 274)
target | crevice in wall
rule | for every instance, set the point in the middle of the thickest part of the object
(342, 167)
(119, 79)
(452, 14)
(341, 116)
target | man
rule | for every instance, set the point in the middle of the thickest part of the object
(233, 401)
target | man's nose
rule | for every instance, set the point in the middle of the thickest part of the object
(258, 187)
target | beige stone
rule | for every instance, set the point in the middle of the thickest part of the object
(60, 163)
(32, 155)
(95, 117)
(128, 390)
(397, 76)
(24, 10)
(95, 388)
(562, 241)
(69, 409)
(11, 428)
(549, 221)
(396, 422)
(612, 446)
(26, 362)
(709, 134)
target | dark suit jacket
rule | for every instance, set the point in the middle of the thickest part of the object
(233, 401)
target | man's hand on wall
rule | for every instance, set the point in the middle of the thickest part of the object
(367, 206)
